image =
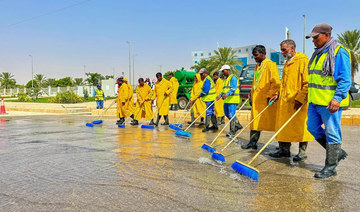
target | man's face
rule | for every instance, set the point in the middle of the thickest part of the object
(203, 76)
(226, 72)
(287, 51)
(141, 83)
(121, 82)
(259, 57)
(99, 87)
(320, 39)
(216, 77)
(170, 76)
(159, 78)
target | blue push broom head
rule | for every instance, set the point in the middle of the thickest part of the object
(97, 122)
(89, 125)
(182, 133)
(246, 170)
(147, 127)
(121, 126)
(208, 148)
(174, 127)
(218, 156)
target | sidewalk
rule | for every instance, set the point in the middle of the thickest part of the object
(349, 117)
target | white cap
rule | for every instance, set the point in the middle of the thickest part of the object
(225, 67)
(203, 70)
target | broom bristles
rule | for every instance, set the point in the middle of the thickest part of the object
(147, 127)
(208, 148)
(218, 156)
(182, 133)
(246, 170)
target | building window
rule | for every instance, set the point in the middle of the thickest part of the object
(252, 57)
(195, 54)
(247, 49)
(195, 61)
(209, 54)
(202, 54)
(239, 50)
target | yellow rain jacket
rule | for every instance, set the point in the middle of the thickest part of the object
(174, 90)
(266, 83)
(199, 106)
(130, 98)
(123, 110)
(219, 105)
(294, 86)
(162, 102)
(143, 95)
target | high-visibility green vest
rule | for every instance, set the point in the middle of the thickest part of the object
(99, 94)
(211, 96)
(322, 89)
(235, 97)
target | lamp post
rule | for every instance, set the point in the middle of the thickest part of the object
(304, 34)
(129, 61)
(160, 68)
(133, 57)
(32, 71)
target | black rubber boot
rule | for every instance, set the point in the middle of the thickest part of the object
(233, 128)
(302, 149)
(118, 121)
(237, 124)
(284, 150)
(207, 123)
(254, 138)
(157, 120)
(175, 107)
(166, 120)
(134, 122)
(214, 123)
(151, 122)
(222, 120)
(322, 141)
(192, 118)
(132, 116)
(332, 155)
(201, 122)
(171, 107)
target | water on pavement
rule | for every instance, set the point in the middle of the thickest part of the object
(57, 164)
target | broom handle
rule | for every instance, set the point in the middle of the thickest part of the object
(200, 115)
(157, 108)
(228, 122)
(97, 117)
(232, 140)
(277, 132)
(183, 117)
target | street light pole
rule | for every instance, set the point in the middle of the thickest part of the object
(133, 57)
(160, 68)
(304, 34)
(32, 71)
(129, 62)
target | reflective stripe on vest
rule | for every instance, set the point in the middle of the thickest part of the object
(321, 90)
(235, 97)
(211, 95)
(99, 94)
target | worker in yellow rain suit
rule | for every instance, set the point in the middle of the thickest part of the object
(143, 107)
(293, 93)
(161, 94)
(219, 105)
(130, 98)
(200, 106)
(174, 90)
(122, 103)
(265, 85)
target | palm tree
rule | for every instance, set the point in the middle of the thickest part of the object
(78, 81)
(224, 56)
(7, 80)
(203, 63)
(351, 40)
(40, 79)
(50, 82)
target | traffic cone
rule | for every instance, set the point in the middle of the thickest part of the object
(2, 109)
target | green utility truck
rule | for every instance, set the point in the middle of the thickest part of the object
(186, 81)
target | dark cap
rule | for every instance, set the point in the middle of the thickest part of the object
(320, 28)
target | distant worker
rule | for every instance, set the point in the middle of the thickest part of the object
(231, 96)
(99, 97)
(292, 95)
(208, 95)
(199, 106)
(122, 103)
(219, 105)
(266, 84)
(174, 90)
(329, 84)
(147, 81)
(130, 98)
(161, 94)
(143, 107)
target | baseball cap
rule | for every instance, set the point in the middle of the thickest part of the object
(320, 28)
(225, 67)
(202, 70)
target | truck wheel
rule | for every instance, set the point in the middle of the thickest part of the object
(182, 102)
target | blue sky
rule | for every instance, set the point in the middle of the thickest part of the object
(161, 32)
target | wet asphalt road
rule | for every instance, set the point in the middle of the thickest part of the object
(58, 164)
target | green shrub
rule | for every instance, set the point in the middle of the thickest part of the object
(23, 97)
(66, 97)
(86, 93)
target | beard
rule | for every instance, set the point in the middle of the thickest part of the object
(288, 56)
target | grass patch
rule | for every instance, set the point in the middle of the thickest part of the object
(355, 103)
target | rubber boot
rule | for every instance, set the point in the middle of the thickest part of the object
(207, 123)
(151, 122)
(157, 120)
(284, 150)
(222, 120)
(192, 118)
(171, 107)
(121, 121)
(302, 149)
(175, 107)
(219, 120)
(166, 120)
(201, 122)
(254, 138)
(322, 141)
(118, 121)
(132, 116)
(237, 124)
(233, 128)
(214, 123)
(134, 122)
(332, 155)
